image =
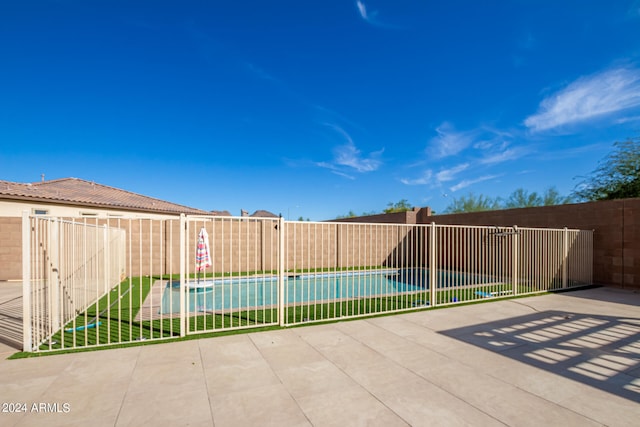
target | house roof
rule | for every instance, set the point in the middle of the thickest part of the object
(263, 214)
(78, 192)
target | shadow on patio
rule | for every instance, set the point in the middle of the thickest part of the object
(11, 322)
(601, 351)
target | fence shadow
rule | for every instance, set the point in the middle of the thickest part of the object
(11, 323)
(600, 351)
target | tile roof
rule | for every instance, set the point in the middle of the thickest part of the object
(263, 214)
(75, 191)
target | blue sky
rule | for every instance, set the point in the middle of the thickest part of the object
(316, 108)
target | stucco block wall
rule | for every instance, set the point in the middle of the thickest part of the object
(414, 216)
(10, 248)
(616, 225)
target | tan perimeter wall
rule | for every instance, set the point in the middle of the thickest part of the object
(414, 216)
(10, 248)
(616, 225)
(338, 245)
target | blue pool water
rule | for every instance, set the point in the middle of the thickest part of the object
(234, 293)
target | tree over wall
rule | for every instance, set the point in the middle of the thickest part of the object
(552, 197)
(520, 198)
(617, 176)
(351, 214)
(473, 203)
(401, 206)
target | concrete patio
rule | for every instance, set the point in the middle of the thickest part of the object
(570, 359)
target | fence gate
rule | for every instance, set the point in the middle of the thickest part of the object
(231, 273)
(102, 281)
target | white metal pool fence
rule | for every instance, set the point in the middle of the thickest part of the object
(91, 282)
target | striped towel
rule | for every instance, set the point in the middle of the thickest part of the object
(203, 259)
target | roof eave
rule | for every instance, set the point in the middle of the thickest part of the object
(97, 205)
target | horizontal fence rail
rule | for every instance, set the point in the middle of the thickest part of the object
(93, 282)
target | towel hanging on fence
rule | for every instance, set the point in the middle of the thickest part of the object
(203, 259)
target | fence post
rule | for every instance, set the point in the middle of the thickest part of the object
(433, 273)
(105, 260)
(26, 283)
(281, 278)
(565, 256)
(514, 259)
(590, 256)
(54, 275)
(183, 284)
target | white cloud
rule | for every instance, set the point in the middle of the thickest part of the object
(344, 175)
(428, 177)
(425, 179)
(340, 131)
(467, 182)
(363, 10)
(627, 119)
(503, 156)
(449, 142)
(334, 169)
(349, 156)
(588, 97)
(449, 174)
(484, 147)
(480, 149)
(371, 17)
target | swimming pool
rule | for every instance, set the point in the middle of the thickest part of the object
(262, 291)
